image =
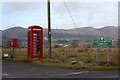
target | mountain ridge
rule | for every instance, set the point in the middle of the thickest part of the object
(84, 33)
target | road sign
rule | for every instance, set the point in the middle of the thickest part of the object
(102, 42)
(95, 42)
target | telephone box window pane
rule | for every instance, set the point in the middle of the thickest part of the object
(36, 43)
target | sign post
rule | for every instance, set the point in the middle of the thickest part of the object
(97, 56)
(108, 56)
(102, 42)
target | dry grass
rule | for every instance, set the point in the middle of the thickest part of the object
(62, 57)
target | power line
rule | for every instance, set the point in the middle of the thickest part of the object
(72, 19)
(74, 23)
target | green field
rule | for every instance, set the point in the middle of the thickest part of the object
(64, 57)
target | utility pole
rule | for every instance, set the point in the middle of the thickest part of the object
(49, 28)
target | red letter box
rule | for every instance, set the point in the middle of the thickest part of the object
(35, 42)
(14, 42)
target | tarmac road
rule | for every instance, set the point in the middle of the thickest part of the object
(25, 70)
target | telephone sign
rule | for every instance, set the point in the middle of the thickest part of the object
(35, 42)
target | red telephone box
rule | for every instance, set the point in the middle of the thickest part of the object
(14, 42)
(35, 42)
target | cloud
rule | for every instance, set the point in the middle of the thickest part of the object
(95, 14)
(9, 7)
(60, 0)
(0, 15)
(84, 0)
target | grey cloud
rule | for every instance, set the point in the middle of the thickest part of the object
(9, 7)
(60, 9)
(79, 8)
(89, 13)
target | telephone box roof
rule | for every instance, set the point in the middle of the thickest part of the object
(35, 26)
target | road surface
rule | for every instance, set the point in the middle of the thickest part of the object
(25, 70)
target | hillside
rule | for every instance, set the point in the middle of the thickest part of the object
(85, 33)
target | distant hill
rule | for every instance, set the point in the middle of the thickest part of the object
(16, 32)
(84, 33)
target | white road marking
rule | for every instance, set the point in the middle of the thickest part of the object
(76, 73)
(5, 74)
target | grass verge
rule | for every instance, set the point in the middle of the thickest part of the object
(63, 57)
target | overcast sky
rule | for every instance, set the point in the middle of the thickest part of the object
(85, 13)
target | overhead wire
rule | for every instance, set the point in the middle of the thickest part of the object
(73, 22)
(72, 19)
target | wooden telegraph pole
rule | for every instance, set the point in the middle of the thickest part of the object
(49, 28)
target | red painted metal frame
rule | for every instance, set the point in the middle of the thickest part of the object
(31, 30)
(14, 42)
